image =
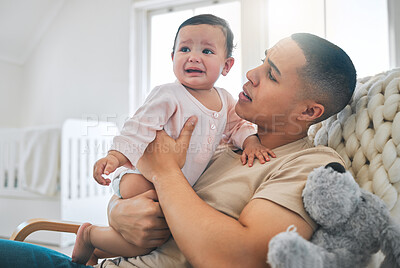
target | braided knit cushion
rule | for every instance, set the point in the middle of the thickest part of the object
(367, 135)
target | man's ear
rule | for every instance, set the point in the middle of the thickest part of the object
(228, 65)
(311, 112)
(172, 55)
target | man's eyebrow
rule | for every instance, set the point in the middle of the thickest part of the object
(271, 63)
(274, 66)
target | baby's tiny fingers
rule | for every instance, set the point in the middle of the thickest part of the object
(104, 180)
(261, 157)
(271, 153)
(266, 156)
(101, 181)
(250, 160)
(110, 167)
(98, 171)
(243, 158)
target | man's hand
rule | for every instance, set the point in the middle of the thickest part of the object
(107, 165)
(253, 148)
(164, 153)
(139, 220)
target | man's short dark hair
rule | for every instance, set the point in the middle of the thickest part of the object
(328, 77)
(210, 20)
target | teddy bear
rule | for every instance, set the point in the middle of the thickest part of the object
(352, 223)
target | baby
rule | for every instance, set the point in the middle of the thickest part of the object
(202, 51)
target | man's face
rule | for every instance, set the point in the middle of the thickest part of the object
(272, 88)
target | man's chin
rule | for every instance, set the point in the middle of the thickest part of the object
(239, 111)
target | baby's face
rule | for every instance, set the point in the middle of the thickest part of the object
(200, 56)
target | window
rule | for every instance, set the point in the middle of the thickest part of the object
(359, 27)
(163, 27)
(293, 16)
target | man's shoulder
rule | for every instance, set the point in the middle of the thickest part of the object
(316, 155)
(320, 148)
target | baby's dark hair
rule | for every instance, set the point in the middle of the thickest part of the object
(210, 20)
(328, 77)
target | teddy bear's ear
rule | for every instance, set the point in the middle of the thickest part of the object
(330, 197)
(336, 167)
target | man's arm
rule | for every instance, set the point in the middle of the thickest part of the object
(207, 237)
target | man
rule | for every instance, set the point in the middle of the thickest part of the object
(228, 218)
(230, 215)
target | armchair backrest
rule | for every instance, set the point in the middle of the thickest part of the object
(366, 133)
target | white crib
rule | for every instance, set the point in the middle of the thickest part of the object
(79, 198)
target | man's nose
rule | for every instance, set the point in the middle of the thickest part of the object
(252, 76)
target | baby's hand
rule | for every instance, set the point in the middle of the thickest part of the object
(253, 148)
(105, 166)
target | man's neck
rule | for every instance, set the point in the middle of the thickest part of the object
(273, 140)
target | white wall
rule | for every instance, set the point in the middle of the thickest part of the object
(10, 92)
(81, 65)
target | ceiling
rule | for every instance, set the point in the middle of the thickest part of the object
(22, 25)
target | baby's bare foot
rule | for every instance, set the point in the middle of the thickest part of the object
(83, 248)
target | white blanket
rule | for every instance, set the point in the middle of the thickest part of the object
(39, 162)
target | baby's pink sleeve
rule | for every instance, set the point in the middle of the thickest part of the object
(237, 129)
(139, 130)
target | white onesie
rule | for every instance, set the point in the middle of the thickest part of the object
(168, 107)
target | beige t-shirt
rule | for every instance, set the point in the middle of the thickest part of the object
(228, 186)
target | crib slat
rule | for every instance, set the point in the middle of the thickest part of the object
(83, 180)
(2, 165)
(13, 178)
(93, 159)
(74, 168)
(88, 167)
(66, 168)
(9, 161)
(7, 164)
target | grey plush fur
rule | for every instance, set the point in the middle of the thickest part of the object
(353, 225)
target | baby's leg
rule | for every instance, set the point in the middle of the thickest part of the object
(106, 239)
(83, 247)
(133, 184)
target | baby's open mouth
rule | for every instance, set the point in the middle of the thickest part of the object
(194, 71)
